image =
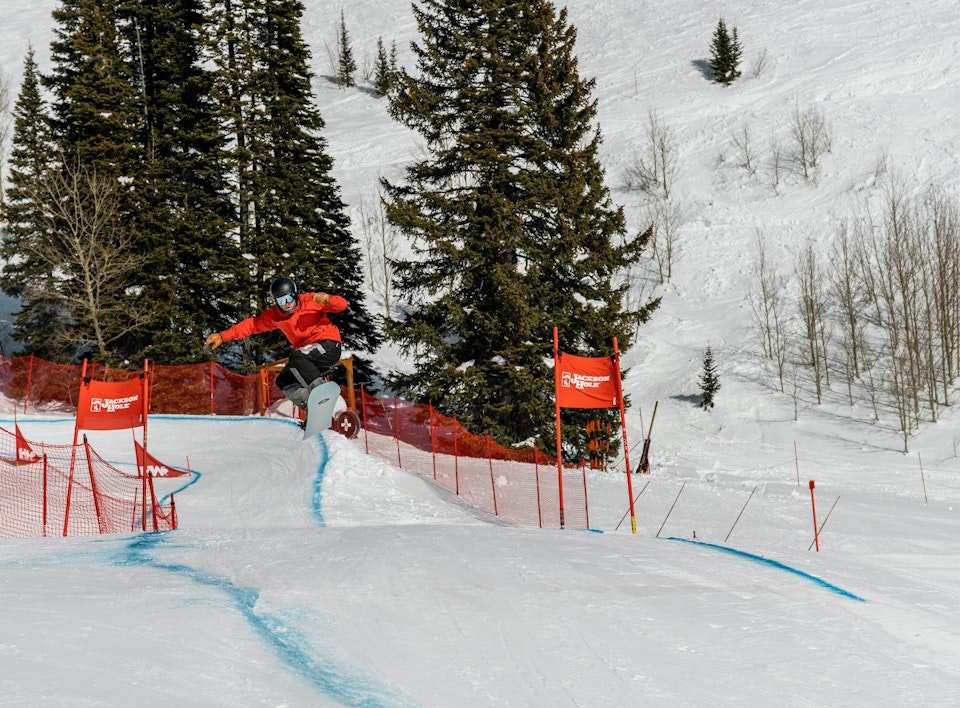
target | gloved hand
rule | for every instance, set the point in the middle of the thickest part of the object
(321, 298)
(213, 341)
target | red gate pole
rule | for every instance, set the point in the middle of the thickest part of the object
(556, 388)
(813, 505)
(623, 428)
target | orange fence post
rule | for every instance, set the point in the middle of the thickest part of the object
(813, 506)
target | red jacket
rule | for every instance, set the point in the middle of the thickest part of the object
(306, 325)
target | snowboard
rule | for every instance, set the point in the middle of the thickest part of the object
(323, 399)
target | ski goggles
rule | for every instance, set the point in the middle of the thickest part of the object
(285, 299)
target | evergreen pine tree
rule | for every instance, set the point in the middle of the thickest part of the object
(24, 274)
(725, 54)
(709, 382)
(382, 74)
(513, 230)
(346, 66)
(290, 217)
(186, 210)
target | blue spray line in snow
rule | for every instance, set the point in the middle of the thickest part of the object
(334, 681)
(289, 645)
(773, 564)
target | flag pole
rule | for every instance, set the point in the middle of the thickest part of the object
(556, 398)
(623, 428)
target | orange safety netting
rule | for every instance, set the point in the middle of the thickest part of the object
(521, 486)
(66, 490)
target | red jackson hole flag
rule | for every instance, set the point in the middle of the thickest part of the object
(112, 405)
(586, 382)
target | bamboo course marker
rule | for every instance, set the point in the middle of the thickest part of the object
(796, 461)
(671, 508)
(922, 479)
(741, 513)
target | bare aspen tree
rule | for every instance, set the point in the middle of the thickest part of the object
(761, 62)
(381, 243)
(811, 138)
(665, 216)
(657, 166)
(944, 228)
(767, 304)
(776, 161)
(743, 142)
(846, 286)
(93, 255)
(814, 323)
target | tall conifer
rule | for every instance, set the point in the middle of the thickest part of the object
(513, 229)
(24, 275)
(290, 217)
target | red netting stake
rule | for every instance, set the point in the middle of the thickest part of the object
(493, 485)
(396, 429)
(456, 458)
(45, 497)
(133, 515)
(154, 507)
(363, 410)
(26, 394)
(93, 485)
(433, 441)
(212, 364)
(536, 470)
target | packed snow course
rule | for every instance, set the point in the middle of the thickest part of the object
(365, 585)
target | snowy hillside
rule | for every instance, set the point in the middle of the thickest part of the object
(308, 574)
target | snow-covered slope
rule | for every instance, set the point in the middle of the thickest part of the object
(309, 574)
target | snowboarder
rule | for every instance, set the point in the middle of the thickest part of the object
(303, 319)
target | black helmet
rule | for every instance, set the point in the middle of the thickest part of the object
(281, 287)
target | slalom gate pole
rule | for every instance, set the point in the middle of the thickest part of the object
(671, 509)
(813, 506)
(825, 519)
(741, 513)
